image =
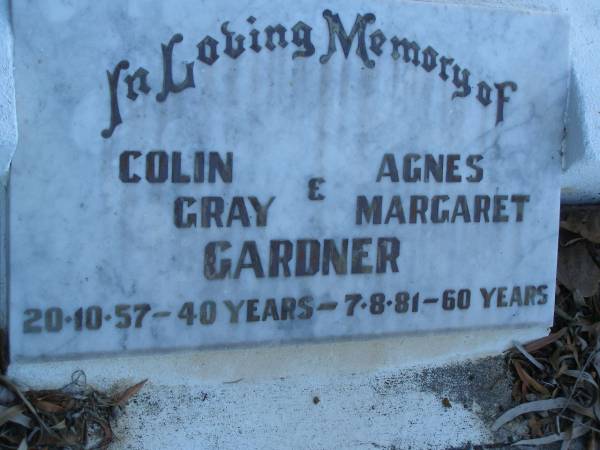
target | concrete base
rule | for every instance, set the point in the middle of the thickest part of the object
(363, 394)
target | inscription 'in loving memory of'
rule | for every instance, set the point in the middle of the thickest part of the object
(208, 53)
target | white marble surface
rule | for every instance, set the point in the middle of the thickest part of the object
(80, 237)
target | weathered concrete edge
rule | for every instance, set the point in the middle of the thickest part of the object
(8, 146)
(263, 362)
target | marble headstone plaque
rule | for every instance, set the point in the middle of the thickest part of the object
(206, 173)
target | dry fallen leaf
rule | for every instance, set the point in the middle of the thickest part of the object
(121, 399)
(76, 416)
(556, 379)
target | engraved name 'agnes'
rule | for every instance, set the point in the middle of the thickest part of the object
(367, 46)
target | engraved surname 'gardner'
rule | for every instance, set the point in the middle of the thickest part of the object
(369, 44)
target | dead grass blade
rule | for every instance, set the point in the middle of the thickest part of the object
(528, 380)
(10, 413)
(524, 408)
(576, 433)
(528, 355)
(547, 340)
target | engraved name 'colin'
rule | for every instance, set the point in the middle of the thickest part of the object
(368, 46)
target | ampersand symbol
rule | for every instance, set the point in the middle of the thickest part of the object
(313, 188)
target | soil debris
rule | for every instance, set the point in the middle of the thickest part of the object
(77, 416)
